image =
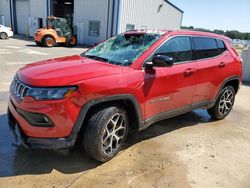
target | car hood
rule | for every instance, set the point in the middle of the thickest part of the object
(65, 71)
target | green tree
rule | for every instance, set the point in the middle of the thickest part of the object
(233, 34)
(247, 36)
(220, 32)
(186, 27)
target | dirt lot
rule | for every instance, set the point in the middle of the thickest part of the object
(187, 151)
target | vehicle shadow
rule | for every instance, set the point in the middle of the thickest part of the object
(163, 127)
(246, 84)
(32, 45)
(16, 160)
(22, 161)
(44, 161)
(22, 37)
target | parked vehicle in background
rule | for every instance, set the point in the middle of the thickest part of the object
(5, 32)
(124, 84)
(241, 44)
(57, 31)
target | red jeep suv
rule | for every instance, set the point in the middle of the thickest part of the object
(126, 83)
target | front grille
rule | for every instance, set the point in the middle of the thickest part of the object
(19, 89)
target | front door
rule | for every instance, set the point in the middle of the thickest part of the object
(171, 88)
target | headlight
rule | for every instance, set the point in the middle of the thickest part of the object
(50, 93)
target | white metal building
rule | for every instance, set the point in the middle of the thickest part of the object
(16, 13)
(93, 20)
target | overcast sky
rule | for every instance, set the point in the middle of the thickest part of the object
(216, 14)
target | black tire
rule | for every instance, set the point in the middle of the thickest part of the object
(71, 41)
(3, 35)
(219, 112)
(49, 42)
(98, 128)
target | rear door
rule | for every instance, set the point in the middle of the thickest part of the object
(171, 88)
(212, 60)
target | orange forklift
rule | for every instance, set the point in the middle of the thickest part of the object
(57, 31)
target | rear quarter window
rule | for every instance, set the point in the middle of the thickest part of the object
(221, 46)
(205, 47)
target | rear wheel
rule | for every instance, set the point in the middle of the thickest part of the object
(105, 133)
(3, 35)
(49, 42)
(71, 41)
(223, 104)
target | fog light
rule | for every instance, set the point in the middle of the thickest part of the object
(36, 119)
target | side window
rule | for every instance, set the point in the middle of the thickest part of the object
(221, 46)
(179, 48)
(205, 47)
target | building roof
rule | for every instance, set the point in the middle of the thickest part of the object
(174, 6)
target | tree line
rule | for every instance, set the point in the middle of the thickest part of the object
(233, 34)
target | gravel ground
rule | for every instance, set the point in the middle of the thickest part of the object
(186, 151)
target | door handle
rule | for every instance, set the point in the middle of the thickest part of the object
(222, 64)
(189, 71)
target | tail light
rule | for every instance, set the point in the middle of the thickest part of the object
(241, 60)
(237, 55)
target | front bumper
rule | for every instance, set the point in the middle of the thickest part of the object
(42, 143)
(35, 134)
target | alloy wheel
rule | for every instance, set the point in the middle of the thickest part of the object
(49, 43)
(3, 35)
(226, 102)
(114, 133)
(72, 40)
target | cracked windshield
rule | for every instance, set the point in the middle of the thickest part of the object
(123, 49)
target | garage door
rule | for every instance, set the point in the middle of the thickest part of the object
(22, 15)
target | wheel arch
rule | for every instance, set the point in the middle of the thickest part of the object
(48, 35)
(4, 32)
(233, 81)
(129, 102)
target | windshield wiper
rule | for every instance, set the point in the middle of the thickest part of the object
(97, 58)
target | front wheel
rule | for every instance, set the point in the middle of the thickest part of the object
(105, 133)
(223, 104)
(3, 35)
(49, 42)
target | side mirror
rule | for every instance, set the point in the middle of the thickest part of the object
(162, 61)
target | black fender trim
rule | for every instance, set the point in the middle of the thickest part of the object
(85, 109)
(226, 81)
(68, 142)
